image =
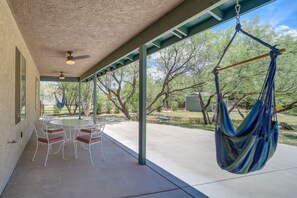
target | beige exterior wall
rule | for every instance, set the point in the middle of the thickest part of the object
(10, 37)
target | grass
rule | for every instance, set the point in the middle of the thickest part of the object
(188, 119)
(49, 110)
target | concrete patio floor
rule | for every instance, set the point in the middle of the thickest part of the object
(119, 175)
(189, 154)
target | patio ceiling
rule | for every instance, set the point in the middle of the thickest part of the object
(112, 31)
(92, 27)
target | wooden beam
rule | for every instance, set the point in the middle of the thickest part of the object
(130, 57)
(79, 100)
(183, 31)
(177, 34)
(142, 104)
(157, 43)
(94, 96)
(180, 15)
(247, 61)
(122, 62)
(186, 12)
(56, 79)
(217, 14)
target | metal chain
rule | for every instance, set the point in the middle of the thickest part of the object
(237, 10)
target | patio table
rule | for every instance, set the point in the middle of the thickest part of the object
(73, 125)
(72, 122)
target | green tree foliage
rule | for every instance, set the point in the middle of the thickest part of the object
(244, 83)
(99, 107)
(87, 96)
(174, 105)
(187, 66)
(69, 91)
(108, 107)
(122, 88)
(56, 111)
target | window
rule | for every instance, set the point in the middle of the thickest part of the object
(20, 86)
(23, 87)
(36, 93)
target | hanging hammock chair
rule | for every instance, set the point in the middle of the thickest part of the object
(60, 104)
(248, 147)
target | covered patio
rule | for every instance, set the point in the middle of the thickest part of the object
(118, 176)
(38, 36)
(189, 154)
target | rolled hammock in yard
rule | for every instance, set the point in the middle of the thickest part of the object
(60, 104)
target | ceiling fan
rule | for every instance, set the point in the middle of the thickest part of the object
(70, 60)
(62, 76)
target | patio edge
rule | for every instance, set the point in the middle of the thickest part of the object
(171, 178)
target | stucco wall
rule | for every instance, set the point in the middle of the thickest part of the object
(10, 37)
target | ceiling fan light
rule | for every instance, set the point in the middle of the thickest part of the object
(61, 77)
(70, 60)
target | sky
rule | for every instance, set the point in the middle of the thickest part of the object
(281, 14)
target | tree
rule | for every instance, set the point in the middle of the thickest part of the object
(69, 91)
(187, 67)
(243, 84)
(122, 88)
(87, 95)
(176, 65)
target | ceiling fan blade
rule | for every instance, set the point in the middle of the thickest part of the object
(81, 57)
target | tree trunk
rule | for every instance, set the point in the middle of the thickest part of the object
(203, 109)
(69, 109)
(126, 113)
(88, 105)
(75, 108)
(204, 117)
(208, 118)
(238, 109)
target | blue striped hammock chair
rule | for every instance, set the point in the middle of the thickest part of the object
(60, 104)
(248, 147)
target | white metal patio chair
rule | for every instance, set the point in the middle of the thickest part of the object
(51, 128)
(48, 137)
(91, 136)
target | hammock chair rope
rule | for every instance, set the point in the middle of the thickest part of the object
(253, 143)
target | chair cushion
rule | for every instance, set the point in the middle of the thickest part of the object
(51, 139)
(86, 130)
(90, 130)
(86, 139)
(55, 130)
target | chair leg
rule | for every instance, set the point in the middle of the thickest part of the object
(63, 149)
(75, 150)
(84, 146)
(48, 150)
(58, 149)
(35, 151)
(102, 150)
(90, 153)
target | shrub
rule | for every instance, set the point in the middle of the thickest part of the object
(159, 109)
(108, 107)
(174, 105)
(57, 111)
(99, 108)
(116, 110)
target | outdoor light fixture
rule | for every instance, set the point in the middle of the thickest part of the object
(61, 77)
(108, 72)
(70, 60)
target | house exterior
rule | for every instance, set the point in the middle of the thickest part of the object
(20, 75)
